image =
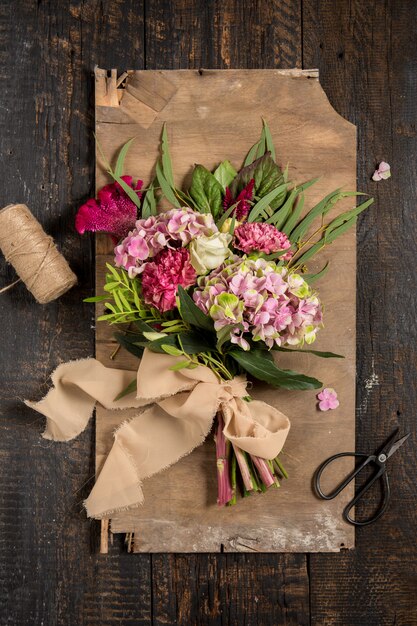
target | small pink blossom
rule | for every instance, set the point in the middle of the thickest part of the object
(382, 172)
(113, 212)
(262, 237)
(327, 399)
(161, 277)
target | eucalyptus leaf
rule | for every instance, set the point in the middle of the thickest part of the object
(166, 188)
(118, 170)
(320, 209)
(149, 201)
(312, 278)
(265, 201)
(166, 158)
(269, 143)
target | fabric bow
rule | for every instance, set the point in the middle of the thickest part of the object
(182, 407)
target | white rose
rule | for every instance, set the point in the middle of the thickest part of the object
(207, 253)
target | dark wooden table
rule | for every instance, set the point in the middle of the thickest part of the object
(50, 571)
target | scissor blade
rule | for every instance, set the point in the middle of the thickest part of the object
(397, 445)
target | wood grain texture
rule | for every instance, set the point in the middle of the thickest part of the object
(210, 114)
(367, 58)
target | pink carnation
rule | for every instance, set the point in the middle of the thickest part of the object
(113, 212)
(161, 277)
(261, 237)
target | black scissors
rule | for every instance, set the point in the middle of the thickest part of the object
(379, 460)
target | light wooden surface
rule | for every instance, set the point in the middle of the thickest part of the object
(212, 115)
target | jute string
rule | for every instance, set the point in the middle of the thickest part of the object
(33, 254)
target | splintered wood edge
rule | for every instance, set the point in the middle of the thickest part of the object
(110, 88)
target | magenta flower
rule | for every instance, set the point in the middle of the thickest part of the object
(327, 399)
(243, 201)
(382, 172)
(261, 237)
(161, 277)
(113, 212)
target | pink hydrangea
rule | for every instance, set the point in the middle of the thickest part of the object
(327, 399)
(261, 237)
(261, 301)
(113, 212)
(161, 277)
(177, 227)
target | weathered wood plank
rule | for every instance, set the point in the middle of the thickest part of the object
(367, 57)
(50, 572)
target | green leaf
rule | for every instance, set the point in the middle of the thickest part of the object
(118, 170)
(180, 366)
(166, 188)
(265, 201)
(320, 209)
(343, 218)
(269, 144)
(225, 173)
(294, 215)
(156, 346)
(132, 387)
(223, 335)
(324, 355)
(129, 343)
(280, 216)
(225, 215)
(171, 350)
(206, 191)
(267, 176)
(190, 312)
(166, 159)
(308, 254)
(262, 368)
(258, 147)
(149, 201)
(96, 298)
(133, 195)
(194, 342)
(311, 278)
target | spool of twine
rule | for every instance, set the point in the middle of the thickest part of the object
(33, 254)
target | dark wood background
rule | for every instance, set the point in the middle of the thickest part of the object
(50, 571)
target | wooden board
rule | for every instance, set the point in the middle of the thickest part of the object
(213, 115)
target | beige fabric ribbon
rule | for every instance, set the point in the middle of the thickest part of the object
(183, 406)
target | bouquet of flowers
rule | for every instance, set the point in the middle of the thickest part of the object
(217, 275)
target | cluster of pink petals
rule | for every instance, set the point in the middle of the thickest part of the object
(261, 300)
(171, 229)
(113, 212)
(242, 201)
(161, 277)
(261, 237)
(327, 399)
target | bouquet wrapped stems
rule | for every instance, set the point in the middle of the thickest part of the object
(234, 465)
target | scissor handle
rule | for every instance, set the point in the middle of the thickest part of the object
(384, 503)
(329, 496)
